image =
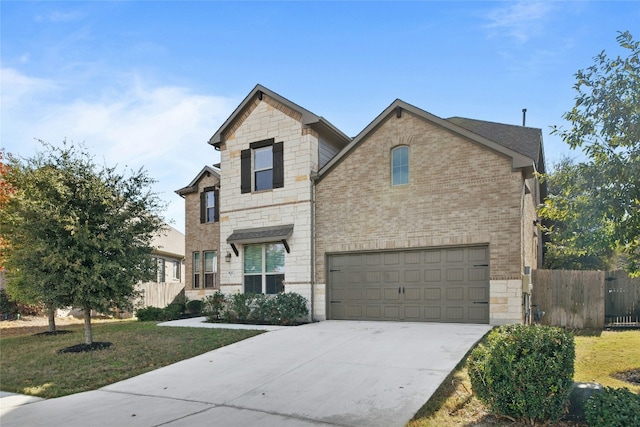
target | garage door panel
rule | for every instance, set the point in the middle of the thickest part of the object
(391, 294)
(437, 285)
(478, 314)
(455, 274)
(374, 294)
(478, 293)
(413, 293)
(373, 277)
(412, 276)
(433, 313)
(433, 294)
(432, 275)
(392, 276)
(455, 294)
(478, 274)
(455, 314)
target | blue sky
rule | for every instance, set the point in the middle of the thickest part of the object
(145, 84)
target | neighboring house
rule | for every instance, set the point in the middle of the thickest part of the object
(168, 254)
(417, 218)
(202, 233)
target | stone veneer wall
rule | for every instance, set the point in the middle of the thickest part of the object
(288, 205)
(199, 238)
(459, 193)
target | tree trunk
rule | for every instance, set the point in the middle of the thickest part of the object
(88, 333)
(51, 313)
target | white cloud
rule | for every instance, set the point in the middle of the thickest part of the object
(520, 20)
(59, 16)
(164, 129)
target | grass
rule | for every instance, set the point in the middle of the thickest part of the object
(30, 364)
(597, 359)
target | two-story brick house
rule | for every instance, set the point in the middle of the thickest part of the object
(202, 233)
(417, 218)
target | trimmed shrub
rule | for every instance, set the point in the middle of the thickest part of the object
(281, 309)
(149, 314)
(291, 308)
(524, 372)
(195, 306)
(613, 408)
(214, 306)
(173, 311)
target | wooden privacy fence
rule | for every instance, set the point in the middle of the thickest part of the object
(586, 299)
(157, 294)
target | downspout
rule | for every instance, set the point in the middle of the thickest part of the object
(312, 178)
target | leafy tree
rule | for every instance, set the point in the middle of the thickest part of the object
(605, 123)
(580, 233)
(78, 234)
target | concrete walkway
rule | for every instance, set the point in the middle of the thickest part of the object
(332, 373)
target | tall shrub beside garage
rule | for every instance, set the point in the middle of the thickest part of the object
(524, 372)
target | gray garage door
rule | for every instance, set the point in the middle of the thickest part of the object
(427, 285)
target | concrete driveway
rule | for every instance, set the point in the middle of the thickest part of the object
(332, 373)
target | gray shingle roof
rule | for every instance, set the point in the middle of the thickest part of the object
(521, 139)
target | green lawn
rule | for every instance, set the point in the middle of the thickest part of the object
(30, 364)
(597, 358)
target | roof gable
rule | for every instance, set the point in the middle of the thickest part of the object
(193, 185)
(306, 117)
(519, 159)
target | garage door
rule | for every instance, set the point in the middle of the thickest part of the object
(427, 285)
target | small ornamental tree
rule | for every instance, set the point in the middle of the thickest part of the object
(78, 234)
(605, 123)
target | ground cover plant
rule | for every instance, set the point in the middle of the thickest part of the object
(31, 364)
(454, 405)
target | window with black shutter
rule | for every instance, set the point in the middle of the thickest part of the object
(262, 166)
(209, 209)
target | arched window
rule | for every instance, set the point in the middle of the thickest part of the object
(400, 165)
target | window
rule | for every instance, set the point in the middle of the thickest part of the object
(196, 269)
(210, 269)
(209, 210)
(262, 166)
(160, 271)
(400, 165)
(264, 268)
(175, 270)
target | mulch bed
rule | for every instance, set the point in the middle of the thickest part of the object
(632, 376)
(83, 348)
(52, 333)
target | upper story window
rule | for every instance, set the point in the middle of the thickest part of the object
(209, 210)
(262, 166)
(400, 165)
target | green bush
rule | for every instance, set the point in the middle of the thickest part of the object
(613, 408)
(195, 306)
(524, 372)
(281, 309)
(171, 312)
(238, 308)
(149, 314)
(214, 306)
(291, 308)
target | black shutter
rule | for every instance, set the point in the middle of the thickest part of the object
(203, 207)
(245, 171)
(216, 200)
(278, 165)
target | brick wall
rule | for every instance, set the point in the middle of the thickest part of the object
(459, 193)
(199, 238)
